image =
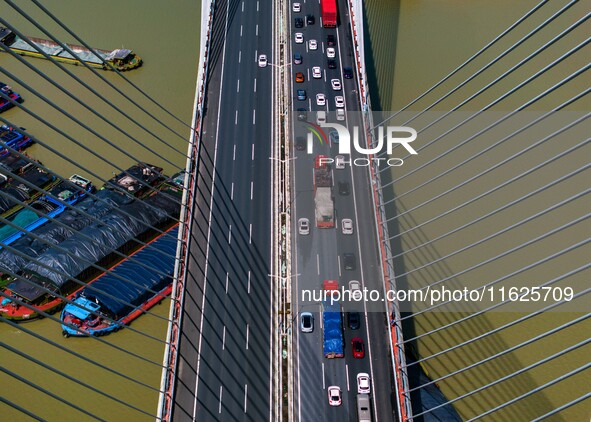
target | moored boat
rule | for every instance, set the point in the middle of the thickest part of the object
(13, 139)
(132, 287)
(43, 282)
(120, 59)
(4, 103)
(67, 192)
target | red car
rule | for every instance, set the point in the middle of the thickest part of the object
(358, 348)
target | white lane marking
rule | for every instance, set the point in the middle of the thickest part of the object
(238, 85)
(255, 84)
(234, 153)
(245, 396)
(257, 30)
(240, 52)
(251, 190)
(232, 191)
(240, 30)
(254, 119)
(339, 260)
(230, 235)
(310, 102)
(324, 75)
(308, 71)
(224, 338)
(227, 278)
(347, 372)
(243, 6)
(323, 380)
(248, 288)
(220, 405)
(257, 5)
(250, 234)
(318, 263)
(247, 332)
(252, 152)
(322, 47)
(197, 373)
(256, 55)
(236, 118)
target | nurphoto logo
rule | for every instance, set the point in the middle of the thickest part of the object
(386, 138)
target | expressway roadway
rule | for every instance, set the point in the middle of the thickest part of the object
(224, 361)
(318, 256)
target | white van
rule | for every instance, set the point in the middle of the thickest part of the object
(363, 410)
(320, 117)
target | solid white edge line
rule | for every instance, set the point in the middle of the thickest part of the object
(209, 223)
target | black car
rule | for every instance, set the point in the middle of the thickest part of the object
(310, 19)
(300, 143)
(344, 188)
(332, 64)
(349, 261)
(333, 135)
(302, 114)
(348, 72)
(302, 95)
(331, 40)
(297, 58)
(299, 23)
(354, 320)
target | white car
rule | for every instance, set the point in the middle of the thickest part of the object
(334, 395)
(330, 53)
(299, 38)
(340, 114)
(347, 226)
(363, 385)
(312, 45)
(307, 322)
(296, 7)
(339, 101)
(355, 289)
(339, 162)
(263, 60)
(304, 226)
(320, 99)
(320, 117)
(336, 84)
(316, 72)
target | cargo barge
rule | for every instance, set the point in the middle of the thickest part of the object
(52, 274)
(113, 300)
(5, 104)
(120, 59)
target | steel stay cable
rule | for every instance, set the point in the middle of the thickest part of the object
(474, 56)
(507, 325)
(489, 237)
(507, 72)
(74, 279)
(20, 409)
(501, 98)
(73, 207)
(81, 41)
(535, 390)
(53, 318)
(503, 352)
(70, 160)
(71, 378)
(506, 138)
(563, 407)
(493, 189)
(24, 329)
(506, 377)
(84, 84)
(500, 209)
(48, 393)
(74, 119)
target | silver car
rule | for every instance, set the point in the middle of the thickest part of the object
(347, 226)
(304, 226)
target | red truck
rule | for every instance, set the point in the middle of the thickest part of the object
(328, 10)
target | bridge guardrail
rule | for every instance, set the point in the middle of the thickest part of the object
(393, 309)
(170, 360)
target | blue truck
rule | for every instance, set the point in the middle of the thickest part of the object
(333, 344)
